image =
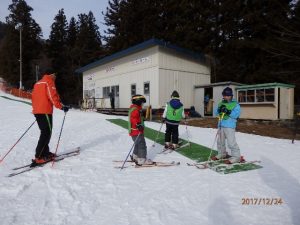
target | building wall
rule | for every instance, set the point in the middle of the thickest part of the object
(165, 72)
(199, 100)
(133, 69)
(181, 74)
(183, 82)
(259, 111)
(286, 103)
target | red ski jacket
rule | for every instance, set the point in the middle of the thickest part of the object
(135, 117)
(44, 96)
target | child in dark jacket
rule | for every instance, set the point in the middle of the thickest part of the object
(172, 115)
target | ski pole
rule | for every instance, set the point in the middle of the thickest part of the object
(130, 151)
(187, 134)
(217, 134)
(17, 142)
(158, 132)
(59, 137)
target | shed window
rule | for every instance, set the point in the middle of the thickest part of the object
(270, 95)
(250, 95)
(147, 88)
(106, 91)
(260, 95)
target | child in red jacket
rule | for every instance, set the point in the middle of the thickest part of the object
(136, 130)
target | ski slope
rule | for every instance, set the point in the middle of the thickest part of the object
(87, 189)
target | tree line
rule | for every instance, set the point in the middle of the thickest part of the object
(246, 41)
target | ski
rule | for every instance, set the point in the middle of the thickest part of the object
(155, 164)
(118, 161)
(168, 150)
(32, 166)
(212, 166)
(77, 150)
(159, 164)
(27, 169)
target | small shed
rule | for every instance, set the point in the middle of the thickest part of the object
(208, 96)
(270, 101)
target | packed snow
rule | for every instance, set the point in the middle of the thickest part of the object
(88, 189)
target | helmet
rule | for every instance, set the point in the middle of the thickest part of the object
(175, 94)
(138, 99)
(227, 92)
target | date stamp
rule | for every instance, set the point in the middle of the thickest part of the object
(262, 201)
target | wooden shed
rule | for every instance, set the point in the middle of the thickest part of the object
(270, 101)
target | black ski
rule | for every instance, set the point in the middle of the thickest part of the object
(77, 150)
(33, 165)
(27, 169)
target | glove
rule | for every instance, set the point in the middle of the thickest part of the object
(140, 127)
(65, 108)
(226, 111)
(221, 108)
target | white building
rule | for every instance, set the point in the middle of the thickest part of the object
(153, 68)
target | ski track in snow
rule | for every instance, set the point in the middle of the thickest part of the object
(87, 189)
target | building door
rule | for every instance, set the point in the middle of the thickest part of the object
(115, 90)
(208, 101)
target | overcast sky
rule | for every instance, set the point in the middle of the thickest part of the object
(44, 11)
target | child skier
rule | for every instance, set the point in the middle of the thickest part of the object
(136, 130)
(172, 115)
(228, 111)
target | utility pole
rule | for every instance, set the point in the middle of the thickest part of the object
(37, 68)
(20, 28)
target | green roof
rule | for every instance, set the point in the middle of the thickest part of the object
(267, 85)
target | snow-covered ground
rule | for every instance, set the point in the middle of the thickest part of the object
(88, 190)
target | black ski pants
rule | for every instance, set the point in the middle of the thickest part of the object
(45, 124)
(171, 133)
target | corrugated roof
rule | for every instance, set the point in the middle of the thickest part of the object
(140, 47)
(266, 85)
(225, 83)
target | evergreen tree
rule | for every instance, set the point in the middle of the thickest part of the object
(131, 22)
(57, 52)
(2, 30)
(88, 43)
(20, 16)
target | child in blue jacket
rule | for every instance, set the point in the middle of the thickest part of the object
(228, 111)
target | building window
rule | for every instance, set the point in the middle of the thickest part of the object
(270, 95)
(106, 91)
(146, 88)
(242, 96)
(133, 89)
(250, 96)
(115, 89)
(86, 94)
(260, 95)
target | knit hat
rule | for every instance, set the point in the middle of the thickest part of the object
(227, 92)
(175, 94)
(48, 70)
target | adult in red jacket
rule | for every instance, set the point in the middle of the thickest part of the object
(44, 96)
